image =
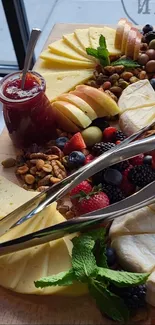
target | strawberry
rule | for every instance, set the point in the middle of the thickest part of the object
(84, 186)
(126, 186)
(88, 159)
(109, 134)
(138, 160)
(92, 202)
(76, 143)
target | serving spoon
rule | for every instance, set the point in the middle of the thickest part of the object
(35, 33)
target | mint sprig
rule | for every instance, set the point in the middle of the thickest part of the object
(91, 268)
(101, 53)
(126, 62)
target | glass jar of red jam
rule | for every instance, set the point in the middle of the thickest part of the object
(27, 113)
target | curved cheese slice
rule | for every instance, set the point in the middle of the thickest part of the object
(61, 48)
(82, 36)
(108, 33)
(48, 56)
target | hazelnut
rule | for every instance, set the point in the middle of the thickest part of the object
(143, 59)
(150, 66)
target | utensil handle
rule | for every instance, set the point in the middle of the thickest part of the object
(29, 52)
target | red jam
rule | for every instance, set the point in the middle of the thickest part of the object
(27, 113)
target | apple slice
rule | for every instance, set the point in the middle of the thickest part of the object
(64, 122)
(108, 105)
(127, 28)
(73, 113)
(131, 40)
(137, 45)
(119, 33)
(80, 103)
(95, 106)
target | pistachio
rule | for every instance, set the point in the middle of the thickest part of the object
(22, 170)
(114, 77)
(9, 162)
(29, 179)
(133, 79)
(126, 75)
(39, 164)
(47, 168)
(123, 84)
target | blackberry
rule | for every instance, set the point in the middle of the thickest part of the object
(141, 175)
(134, 297)
(102, 147)
(120, 136)
(121, 166)
(101, 123)
(114, 193)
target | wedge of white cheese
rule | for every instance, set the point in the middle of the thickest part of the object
(133, 238)
(19, 270)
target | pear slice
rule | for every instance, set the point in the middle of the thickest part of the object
(108, 105)
(80, 103)
(73, 113)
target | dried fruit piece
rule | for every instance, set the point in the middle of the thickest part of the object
(22, 170)
(9, 162)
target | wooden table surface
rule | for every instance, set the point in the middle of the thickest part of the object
(26, 309)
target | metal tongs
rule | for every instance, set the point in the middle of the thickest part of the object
(128, 148)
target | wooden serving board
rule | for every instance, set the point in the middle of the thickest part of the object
(27, 309)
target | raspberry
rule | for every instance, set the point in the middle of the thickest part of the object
(109, 134)
(88, 159)
(138, 160)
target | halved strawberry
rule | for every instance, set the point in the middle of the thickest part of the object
(75, 143)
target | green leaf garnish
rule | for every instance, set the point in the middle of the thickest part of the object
(89, 265)
(108, 303)
(123, 279)
(83, 259)
(101, 53)
(127, 63)
(61, 279)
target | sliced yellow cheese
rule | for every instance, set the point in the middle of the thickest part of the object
(73, 113)
(61, 48)
(108, 33)
(73, 42)
(80, 103)
(58, 83)
(12, 196)
(137, 95)
(48, 56)
(83, 37)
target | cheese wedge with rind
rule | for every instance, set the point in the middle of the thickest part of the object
(108, 33)
(133, 120)
(137, 95)
(61, 48)
(82, 36)
(136, 253)
(80, 103)
(73, 113)
(58, 83)
(48, 56)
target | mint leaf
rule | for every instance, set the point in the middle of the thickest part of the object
(123, 279)
(83, 259)
(60, 279)
(102, 41)
(99, 249)
(127, 63)
(109, 303)
(92, 52)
